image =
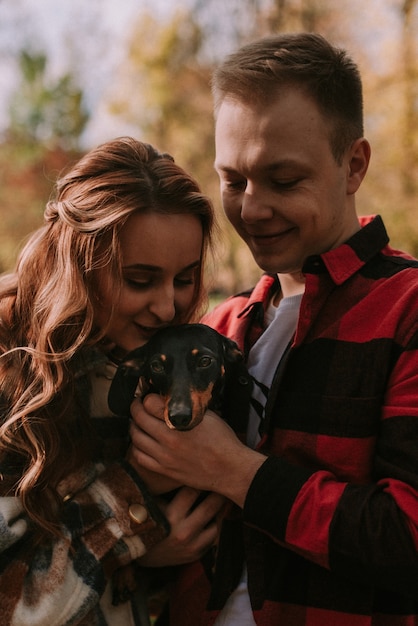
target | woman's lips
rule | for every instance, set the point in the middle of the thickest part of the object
(147, 331)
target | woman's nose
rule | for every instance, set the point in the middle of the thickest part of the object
(163, 304)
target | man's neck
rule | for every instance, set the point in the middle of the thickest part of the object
(291, 284)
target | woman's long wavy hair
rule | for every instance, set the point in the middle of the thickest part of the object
(46, 306)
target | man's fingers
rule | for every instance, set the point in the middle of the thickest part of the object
(154, 404)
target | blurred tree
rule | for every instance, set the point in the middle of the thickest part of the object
(47, 112)
(391, 105)
(168, 94)
(410, 98)
(46, 121)
(26, 179)
(236, 22)
(162, 88)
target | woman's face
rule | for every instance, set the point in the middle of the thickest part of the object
(161, 259)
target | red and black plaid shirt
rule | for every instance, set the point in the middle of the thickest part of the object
(329, 530)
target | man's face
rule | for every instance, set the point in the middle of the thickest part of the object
(281, 187)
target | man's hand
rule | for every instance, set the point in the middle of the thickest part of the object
(210, 457)
(156, 483)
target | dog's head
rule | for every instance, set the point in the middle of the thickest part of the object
(187, 365)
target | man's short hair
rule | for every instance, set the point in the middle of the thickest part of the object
(260, 70)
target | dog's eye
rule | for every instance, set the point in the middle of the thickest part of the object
(205, 361)
(157, 367)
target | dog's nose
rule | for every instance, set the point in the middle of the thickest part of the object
(180, 418)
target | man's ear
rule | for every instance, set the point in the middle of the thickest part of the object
(358, 163)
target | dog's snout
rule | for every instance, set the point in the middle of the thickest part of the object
(181, 421)
(180, 417)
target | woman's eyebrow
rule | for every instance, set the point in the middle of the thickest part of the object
(192, 266)
(156, 268)
(142, 266)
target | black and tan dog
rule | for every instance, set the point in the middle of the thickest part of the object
(193, 368)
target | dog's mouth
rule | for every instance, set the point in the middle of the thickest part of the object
(182, 420)
(182, 423)
(179, 415)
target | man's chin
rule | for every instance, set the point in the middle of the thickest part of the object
(269, 265)
(275, 266)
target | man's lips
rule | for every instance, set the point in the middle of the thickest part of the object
(269, 239)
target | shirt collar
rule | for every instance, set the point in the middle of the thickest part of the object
(344, 261)
(341, 263)
(261, 294)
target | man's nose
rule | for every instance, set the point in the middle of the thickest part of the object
(255, 205)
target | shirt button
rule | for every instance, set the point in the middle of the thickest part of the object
(137, 513)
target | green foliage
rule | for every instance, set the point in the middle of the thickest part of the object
(43, 111)
(46, 121)
(27, 175)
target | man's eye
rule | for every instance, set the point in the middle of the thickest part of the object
(235, 185)
(286, 184)
(157, 366)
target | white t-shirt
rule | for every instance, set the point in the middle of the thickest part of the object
(262, 363)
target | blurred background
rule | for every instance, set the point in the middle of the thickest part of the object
(74, 74)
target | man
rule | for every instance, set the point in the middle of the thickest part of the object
(324, 528)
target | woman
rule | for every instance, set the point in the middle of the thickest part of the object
(120, 255)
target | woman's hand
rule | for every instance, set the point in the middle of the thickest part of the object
(193, 529)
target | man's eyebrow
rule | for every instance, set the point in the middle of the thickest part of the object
(276, 165)
(269, 167)
(224, 168)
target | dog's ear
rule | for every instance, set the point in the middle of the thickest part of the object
(125, 381)
(238, 386)
(235, 367)
(232, 353)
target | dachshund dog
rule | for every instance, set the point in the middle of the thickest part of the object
(193, 368)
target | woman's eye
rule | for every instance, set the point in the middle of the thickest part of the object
(184, 281)
(205, 361)
(138, 283)
(157, 366)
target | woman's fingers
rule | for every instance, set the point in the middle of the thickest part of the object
(194, 528)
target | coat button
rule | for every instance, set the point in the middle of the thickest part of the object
(138, 513)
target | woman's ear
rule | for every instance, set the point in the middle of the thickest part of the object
(358, 162)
